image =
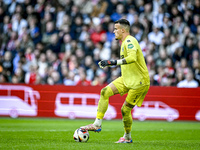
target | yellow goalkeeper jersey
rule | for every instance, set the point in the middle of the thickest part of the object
(135, 73)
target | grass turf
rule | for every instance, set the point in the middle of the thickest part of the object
(29, 133)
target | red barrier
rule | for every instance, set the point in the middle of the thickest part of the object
(168, 103)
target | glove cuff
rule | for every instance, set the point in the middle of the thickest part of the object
(113, 62)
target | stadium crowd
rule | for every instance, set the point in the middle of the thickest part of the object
(61, 41)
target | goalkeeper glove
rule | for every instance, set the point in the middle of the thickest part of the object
(105, 63)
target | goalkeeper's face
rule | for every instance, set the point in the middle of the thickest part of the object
(117, 31)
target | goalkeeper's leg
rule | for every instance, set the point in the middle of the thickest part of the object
(127, 121)
(106, 92)
(103, 104)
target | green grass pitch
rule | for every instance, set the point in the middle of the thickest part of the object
(43, 133)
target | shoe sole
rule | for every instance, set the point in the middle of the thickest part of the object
(98, 130)
(124, 142)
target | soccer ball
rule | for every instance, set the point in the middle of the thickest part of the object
(81, 136)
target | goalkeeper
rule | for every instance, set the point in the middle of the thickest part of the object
(134, 80)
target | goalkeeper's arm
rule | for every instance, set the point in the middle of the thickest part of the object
(105, 63)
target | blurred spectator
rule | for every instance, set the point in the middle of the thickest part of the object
(140, 6)
(196, 69)
(7, 64)
(178, 25)
(99, 8)
(12, 7)
(188, 16)
(73, 64)
(146, 26)
(90, 67)
(11, 45)
(177, 55)
(84, 34)
(26, 42)
(196, 9)
(6, 24)
(34, 29)
(19, 75)
(96, 36)
(101, 52)
(195, 24)
(183, 66)
(198, 33)
(39, 7)
(109, 34)
(82, 78)
(86, 8)
(66, 45)
(148, 14)
(174, 44)
(169, 69)
(55, 77)
(162, 58)
(54, 62)
(156, 35)
(119, 13)
(3, 78)
(167, 6)
(32, 75)
(42, 66)
(69, 79)
(174, 11)
(74, 12)
(179, 76)
(80, 56)
(150, 62)
(50, 30)
(195, 56)
(112, 4)
(76, 27)
(137, 21)
(158, 17)
(54, 43)
(156, 6)
(137, 32)
(189, 82)
(88, 47)
(130, 14)
(66, 22)
(186, 34)
(189, 46)
(167, 23)
(18, 23)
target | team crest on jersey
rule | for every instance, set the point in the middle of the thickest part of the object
(130, 46)
(122, 49)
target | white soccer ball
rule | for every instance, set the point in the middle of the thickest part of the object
(81, 136)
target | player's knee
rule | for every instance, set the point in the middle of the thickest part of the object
(125, 110)
(106, 92)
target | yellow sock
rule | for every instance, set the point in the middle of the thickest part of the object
(127, 118)
(103, 102)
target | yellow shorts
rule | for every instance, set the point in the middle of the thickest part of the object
(135, 96)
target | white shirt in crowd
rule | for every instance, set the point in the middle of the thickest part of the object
(188, 84)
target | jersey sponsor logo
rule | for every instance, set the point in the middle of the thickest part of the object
(122, 56)
(128, 40)
(130, 46)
